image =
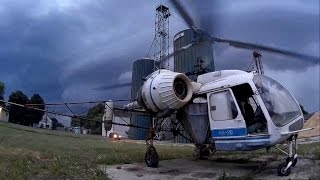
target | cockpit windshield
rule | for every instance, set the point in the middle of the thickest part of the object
(280, 104)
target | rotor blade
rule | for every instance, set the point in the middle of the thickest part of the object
(176, 51)
(245, 45)
(114, 86)
(207, 15)
(184, 14)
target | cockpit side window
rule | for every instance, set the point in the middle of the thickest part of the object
(222, 106)
(280, 104)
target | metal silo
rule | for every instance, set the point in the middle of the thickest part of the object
(141, 69)
(192, 58)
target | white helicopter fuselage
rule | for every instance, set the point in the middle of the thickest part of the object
(236, 110)
(228, 110)
(231, 132)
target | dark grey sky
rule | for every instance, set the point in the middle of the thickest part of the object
(63, 49)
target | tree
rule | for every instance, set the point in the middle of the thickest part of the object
(96, 113)
(35, 116)
(22, 115)
(54, 123)
(18, 114)
(2, 90)
(60, 124)
(303, 110)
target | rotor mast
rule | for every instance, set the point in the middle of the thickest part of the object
(258, 62)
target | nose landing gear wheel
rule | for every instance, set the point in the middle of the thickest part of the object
(282, 170)
(151, 157)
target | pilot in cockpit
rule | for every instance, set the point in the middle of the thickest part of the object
(255, 120)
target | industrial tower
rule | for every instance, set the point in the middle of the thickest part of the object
(160, 47)
(161, 37)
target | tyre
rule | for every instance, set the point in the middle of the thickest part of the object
(196, 154)
(282, 171)
(152, 158)
(204, 154)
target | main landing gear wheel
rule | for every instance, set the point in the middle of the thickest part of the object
(152, 157)
(282, 170)
(196, 153)
(202, 152)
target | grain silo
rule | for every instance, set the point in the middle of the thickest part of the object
(195, 58)
(141, 69)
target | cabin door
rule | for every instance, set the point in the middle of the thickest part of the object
(226, 120)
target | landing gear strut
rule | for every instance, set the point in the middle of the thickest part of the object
(284, 169)
(203, 151)
(151, 158)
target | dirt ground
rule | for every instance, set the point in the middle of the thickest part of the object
(265, 167)
(313, 122)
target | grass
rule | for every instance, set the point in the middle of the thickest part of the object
(42, 154)
(27, 153)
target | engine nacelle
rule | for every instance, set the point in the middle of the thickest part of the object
(165, 90)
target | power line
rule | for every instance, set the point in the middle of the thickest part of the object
(73, 103)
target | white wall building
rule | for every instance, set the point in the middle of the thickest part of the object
(120, 117)
(121, 130)
(45, 122)
(4, 114)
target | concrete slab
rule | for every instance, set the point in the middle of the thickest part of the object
(264, 167)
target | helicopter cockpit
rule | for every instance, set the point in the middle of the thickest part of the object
(281, 106)
(248, 107)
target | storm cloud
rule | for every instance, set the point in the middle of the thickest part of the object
(63, 49)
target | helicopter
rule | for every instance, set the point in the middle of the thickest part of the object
(227, 110)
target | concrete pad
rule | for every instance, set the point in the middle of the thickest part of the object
(186, 169)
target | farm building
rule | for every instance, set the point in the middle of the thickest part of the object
(45, 122)
(122, 118)
(4, 114)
